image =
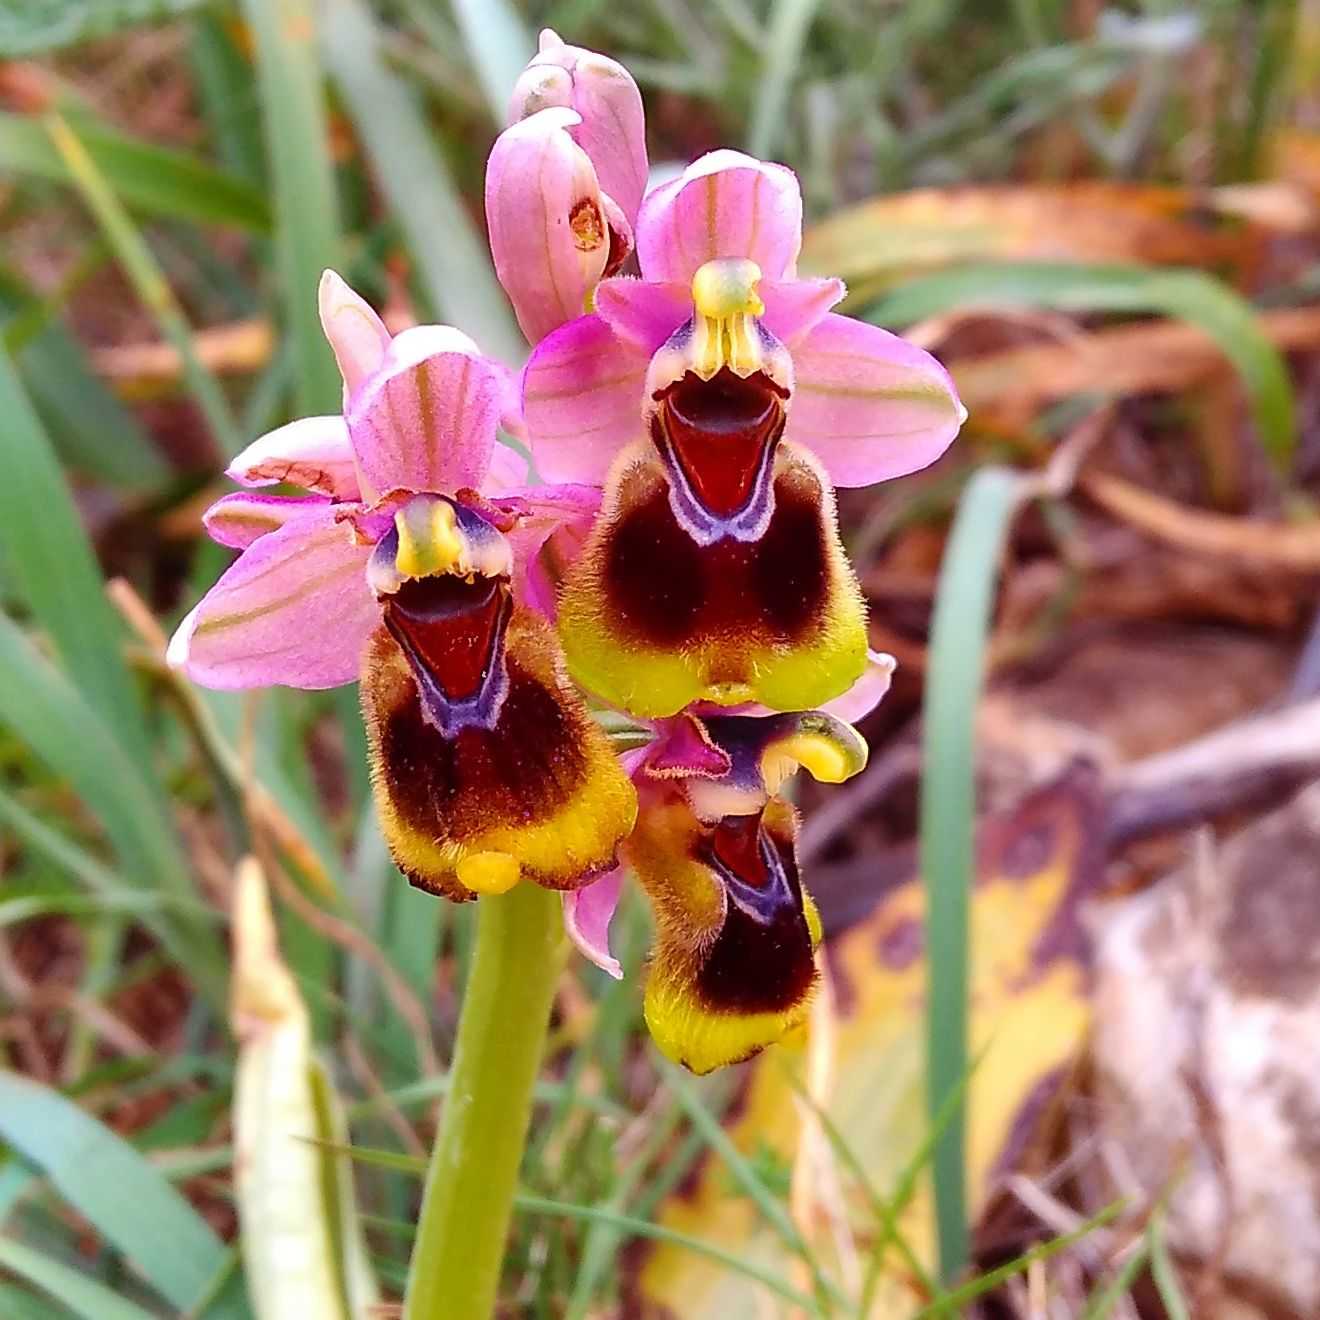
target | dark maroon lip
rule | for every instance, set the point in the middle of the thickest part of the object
(721, 433)
(452, 633)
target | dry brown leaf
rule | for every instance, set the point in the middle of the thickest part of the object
(1291, 546)
(239, 348)
(1207, 1034)
(1029, 1015)
(891, 238)
(1009, 388)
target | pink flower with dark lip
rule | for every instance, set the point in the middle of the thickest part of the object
(867, 403)
(407, 566)
(715, 851)
(422, 409)
(718, 401)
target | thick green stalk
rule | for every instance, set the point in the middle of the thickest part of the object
(455, 1270)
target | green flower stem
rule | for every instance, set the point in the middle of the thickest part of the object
(455, 1271)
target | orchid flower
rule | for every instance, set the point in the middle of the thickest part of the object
(564, 183)
(399, 568)
(718, 401)
(715, 850)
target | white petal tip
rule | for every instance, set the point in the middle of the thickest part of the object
(176, 653)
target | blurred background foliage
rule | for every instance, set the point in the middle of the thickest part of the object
(1104, 218)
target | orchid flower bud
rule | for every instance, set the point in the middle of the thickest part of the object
(553, 234)
(612, 128)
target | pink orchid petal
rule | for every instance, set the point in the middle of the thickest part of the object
(865, 694)
(356, 334)
(426, 419)
(794, 307)
(643, 315)
(548, 234)
(507, 473)
(293, 609)
(587, 915)
(871, 405)
(239, 519)
(602, 91)
(582, 398)
(511, 418)
(684, 750)
(563, 512)
(723, 205)
(313, 452)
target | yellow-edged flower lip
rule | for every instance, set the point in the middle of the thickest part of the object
(733, 968)
(651, 620)
(531, 789)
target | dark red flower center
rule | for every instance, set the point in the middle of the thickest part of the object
(450, 628)
(719, 431)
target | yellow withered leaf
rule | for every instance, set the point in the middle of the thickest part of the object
(1029, 1013)
(303, 1251)
(890, 239)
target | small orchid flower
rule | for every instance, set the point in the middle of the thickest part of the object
(718, 400)
(399, 568)
(564, 183)
(715, 851)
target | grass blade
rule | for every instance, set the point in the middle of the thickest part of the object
(953, 687)
(100, 1175)
(91, 430)
(1163, 1273)
(785, 36)
(148, 178)
(745, 1175)
(627, 1224)
(224, 86)
(48, 557)
(954, 1303)
(306, 202)
(500, 45)
(52, 717)
(1186, 295)
(1102, 1302)
(73, 1289)
(147, 278)
(456, 272)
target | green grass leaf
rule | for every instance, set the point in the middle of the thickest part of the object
(1164, 1274)
(500, 45)
(302, 175)
(948, 813)
(156, 180)
(146, 276)
(1191, 296)
(953, 1304)
(50, 715)
(451, 255)
(48, 557)
(81, 1295)
(785, 35)
(92, 431)
(113, 1188)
